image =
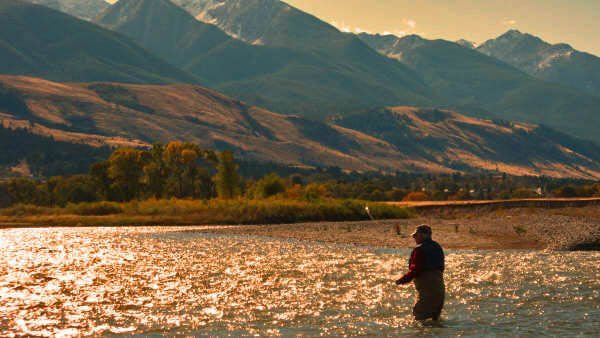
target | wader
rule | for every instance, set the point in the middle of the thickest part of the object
(431, 293)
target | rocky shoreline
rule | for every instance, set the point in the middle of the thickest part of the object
(519, 228)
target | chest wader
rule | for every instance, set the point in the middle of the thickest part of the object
(431, 293)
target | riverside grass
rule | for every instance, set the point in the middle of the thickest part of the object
(199, 212)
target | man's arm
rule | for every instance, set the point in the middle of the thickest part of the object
(413, 267)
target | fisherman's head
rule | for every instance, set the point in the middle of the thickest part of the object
(422, 233)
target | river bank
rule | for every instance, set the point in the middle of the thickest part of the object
(519, 228)
(570, 224)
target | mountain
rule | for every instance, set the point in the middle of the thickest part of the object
(390, 139)
(173, 34)
(301, 65)
(107, 113)
(83, 9)
(558, 63)
(460, 142)
(467, 80)
(38, 41)
(268, 22)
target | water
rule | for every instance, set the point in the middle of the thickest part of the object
(164, 281)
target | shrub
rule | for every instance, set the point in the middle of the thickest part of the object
(315, 192)
(519, 230)
(566, 191)
(238, 211)
(524, 193)
(268, 186)
(416, 196)
(28, 210)
(94, 209)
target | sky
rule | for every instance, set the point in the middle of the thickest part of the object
(576, 22)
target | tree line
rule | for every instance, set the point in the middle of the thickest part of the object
(186, 171)
(174, 170)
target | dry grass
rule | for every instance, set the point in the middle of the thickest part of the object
(192, 212)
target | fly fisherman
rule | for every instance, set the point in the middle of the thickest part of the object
(426, 269)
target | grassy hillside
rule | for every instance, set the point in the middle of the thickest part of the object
(460, 142)
(394, 139)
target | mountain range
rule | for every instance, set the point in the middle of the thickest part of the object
(285, 78)
(138, 72)
(387, 139)
(311, 53)
(470, 81)
(294, 63)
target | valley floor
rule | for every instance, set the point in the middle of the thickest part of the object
(519, 228)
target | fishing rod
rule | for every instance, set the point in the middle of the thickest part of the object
(396, 226)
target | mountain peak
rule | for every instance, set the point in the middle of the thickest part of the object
(130, 4)
(514, 32)
(517, 35)
(412, 37)
(467, 43)
(558, 63)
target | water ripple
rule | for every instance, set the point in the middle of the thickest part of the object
(78, 282)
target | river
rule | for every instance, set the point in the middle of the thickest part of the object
(171, 281)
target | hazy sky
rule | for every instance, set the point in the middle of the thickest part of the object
(576, 22)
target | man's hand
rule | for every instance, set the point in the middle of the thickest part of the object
(402, 281)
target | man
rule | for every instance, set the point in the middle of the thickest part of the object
(426, 268)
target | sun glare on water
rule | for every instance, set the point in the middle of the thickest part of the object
(73, 282)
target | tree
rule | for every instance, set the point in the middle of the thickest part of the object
(5, 200)
(155, 173)
(26, 191)
(227, 178)
(185, 176)
(99, 173)
(125, 169)
(296, 179)
(74, 189)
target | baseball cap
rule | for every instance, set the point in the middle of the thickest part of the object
(424, 229)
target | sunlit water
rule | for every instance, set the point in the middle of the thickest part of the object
(164, 281)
